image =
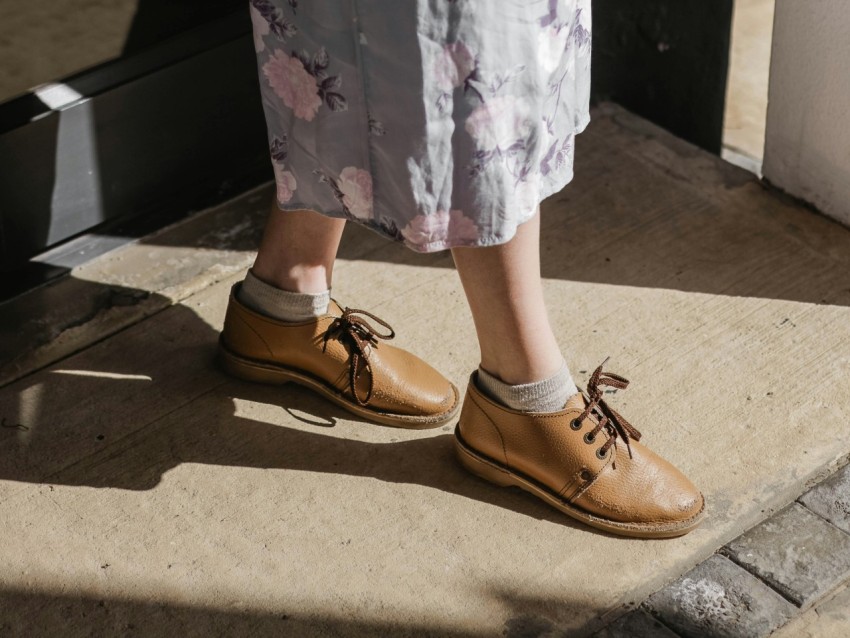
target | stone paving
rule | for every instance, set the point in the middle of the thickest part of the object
(769, 576)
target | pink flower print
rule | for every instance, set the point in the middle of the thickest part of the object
(452, 227)
(551, 44)
(285, 183)
(452, 65)
(356, 187)
(293, 84)
(261, 28)
(499, 122)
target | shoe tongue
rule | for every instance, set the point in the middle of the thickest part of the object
(334, 308)
(576, 402)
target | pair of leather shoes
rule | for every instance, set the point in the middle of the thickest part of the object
(585, 460)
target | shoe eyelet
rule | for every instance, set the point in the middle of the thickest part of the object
(600, 454)
(575, 424)
(585, 475)
(589, 439)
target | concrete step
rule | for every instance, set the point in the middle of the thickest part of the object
(140, 487)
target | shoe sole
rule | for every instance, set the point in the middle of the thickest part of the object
(271, 374)
(498, 474)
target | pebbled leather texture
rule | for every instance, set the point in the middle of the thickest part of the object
(402, 383)
(546, 449)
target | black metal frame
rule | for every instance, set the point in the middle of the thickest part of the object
(169, 130)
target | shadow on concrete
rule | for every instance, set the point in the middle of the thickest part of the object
(28, 614)
(121, 423)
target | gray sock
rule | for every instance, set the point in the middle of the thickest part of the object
(282, 304)
(548, 395)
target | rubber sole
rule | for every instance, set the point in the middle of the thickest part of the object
(271, 374)
(494, 472)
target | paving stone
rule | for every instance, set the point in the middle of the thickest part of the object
(635, 624)
(719, 599)
(796, 552)
(827, 619)
(831, 499)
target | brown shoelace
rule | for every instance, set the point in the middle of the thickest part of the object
(613, 422)
(358, 334)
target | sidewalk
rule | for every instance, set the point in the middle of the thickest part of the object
(143, 492)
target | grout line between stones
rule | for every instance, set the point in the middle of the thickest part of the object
(723, 552)
(826, 520)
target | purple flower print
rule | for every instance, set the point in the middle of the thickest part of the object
(375, 127)
(279, 148)
(551, 15)
(443, 226)
(292, 83)
(559, 152)
(328, 84)
(581, 36)
(275, 19)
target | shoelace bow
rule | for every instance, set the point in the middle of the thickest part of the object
(358, 334)
(613, 422)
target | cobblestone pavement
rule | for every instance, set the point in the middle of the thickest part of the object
(788, 576)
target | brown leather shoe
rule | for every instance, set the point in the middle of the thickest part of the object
(339, 356)
(584, 460)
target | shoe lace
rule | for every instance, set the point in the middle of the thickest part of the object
(352, 329)
(613, 422)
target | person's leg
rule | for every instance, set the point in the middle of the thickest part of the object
(521, 362)
(281, 326)
(503, 287)
(537, 431)
(298, 250)
(291, 277)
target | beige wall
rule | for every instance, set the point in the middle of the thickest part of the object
(807, 149)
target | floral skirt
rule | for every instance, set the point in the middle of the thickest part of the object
(436, 123)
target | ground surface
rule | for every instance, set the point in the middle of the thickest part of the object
(143, 491)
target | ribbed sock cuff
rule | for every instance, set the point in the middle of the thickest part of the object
(548, 395)
(282, 304)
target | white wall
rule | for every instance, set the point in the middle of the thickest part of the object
(807, 147)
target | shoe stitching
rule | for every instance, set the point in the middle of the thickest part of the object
(579, 508)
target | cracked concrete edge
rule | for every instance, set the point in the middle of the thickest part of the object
(128, 284)
(621, 619)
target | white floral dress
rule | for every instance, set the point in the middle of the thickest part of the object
(436, 123)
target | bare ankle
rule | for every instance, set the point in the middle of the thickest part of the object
(298, 278)
(518, 370)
